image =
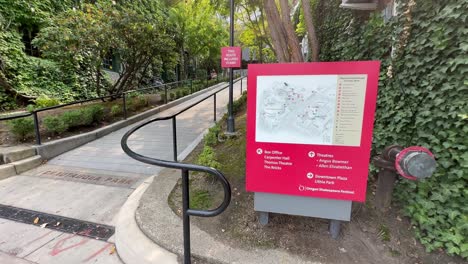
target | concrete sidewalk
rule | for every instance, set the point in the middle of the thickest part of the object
(91, 183)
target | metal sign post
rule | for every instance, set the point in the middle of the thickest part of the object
(230, 119)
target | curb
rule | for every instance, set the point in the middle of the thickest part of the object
(132, 245)
(52, 149)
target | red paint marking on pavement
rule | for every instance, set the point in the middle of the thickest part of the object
(41, 237)
(57, 247)
(97, 253)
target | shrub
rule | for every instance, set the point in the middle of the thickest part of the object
(239, 103)
(140, 101)
(116, 110)
(45, 101)
(22, 128)
(179, 94)
(172, 96)
(185, 92)
(92, 114)
(162, 95)
(208, 158)
(211, 138)
(97, 112)
(72, 118)
(54, 124)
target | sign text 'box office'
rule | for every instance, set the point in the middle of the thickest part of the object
(309, 128)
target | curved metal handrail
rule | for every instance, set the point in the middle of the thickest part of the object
(185, 168)
(181, 166)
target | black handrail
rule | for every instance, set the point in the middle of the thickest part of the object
(185, 168)
(122, 95)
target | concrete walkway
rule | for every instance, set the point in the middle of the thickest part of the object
(91, 183)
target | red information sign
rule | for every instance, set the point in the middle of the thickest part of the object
(231, 57)
(309, 128)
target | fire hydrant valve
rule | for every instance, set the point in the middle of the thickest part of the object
(415, 163)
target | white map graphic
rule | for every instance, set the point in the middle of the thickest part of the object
(296, 109)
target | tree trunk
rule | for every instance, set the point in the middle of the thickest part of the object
(311, 34)
(277, 31)
(293, 42)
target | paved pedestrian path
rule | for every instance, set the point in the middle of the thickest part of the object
(91, 183)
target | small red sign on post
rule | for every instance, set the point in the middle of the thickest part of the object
(309, 128)
(231, 57)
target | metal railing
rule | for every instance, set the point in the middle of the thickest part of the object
(185, 168)
(166, 87)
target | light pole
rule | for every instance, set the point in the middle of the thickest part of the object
(230, 119)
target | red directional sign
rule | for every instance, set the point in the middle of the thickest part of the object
(309, 128)
(231, 57)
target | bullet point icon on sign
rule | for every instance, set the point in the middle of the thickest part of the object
(259, 151)
(310, 175)
(311, 154)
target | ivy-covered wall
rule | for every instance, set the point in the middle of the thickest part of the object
(423, 100)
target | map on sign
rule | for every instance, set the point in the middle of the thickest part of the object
(296, 109)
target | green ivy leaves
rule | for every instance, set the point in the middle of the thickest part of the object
(423, 100)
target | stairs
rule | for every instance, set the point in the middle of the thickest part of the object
(16, 160)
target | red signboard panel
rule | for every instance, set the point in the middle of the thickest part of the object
(309, 128)
(231, 57)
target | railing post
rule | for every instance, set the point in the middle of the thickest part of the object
(214, 108)
(185, 215)
(241, 85)
(36, 128)
(165, 94)
(124, 97)
(174, 137)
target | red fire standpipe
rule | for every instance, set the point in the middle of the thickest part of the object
(413, 163)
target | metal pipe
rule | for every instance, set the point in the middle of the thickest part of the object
(241, 84)
(214, 108)
(385, 184)
(36, 128)
(174, 137)
(186, 215)
(230, 119)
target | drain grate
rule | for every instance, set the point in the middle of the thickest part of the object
(56, 222)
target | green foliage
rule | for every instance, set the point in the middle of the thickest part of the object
(240, 103)
(208, 158)
(201, 31)
(178, 94)
(72, 118)
(22, 128)
(172, 96)
(138, 101)
(45, 101)
(200, 199)
(92, 114)
(30, 76)
(116, 110)
(54, 124)
(211, 138)
(422, 101)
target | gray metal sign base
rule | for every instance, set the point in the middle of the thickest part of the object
(335, 210)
